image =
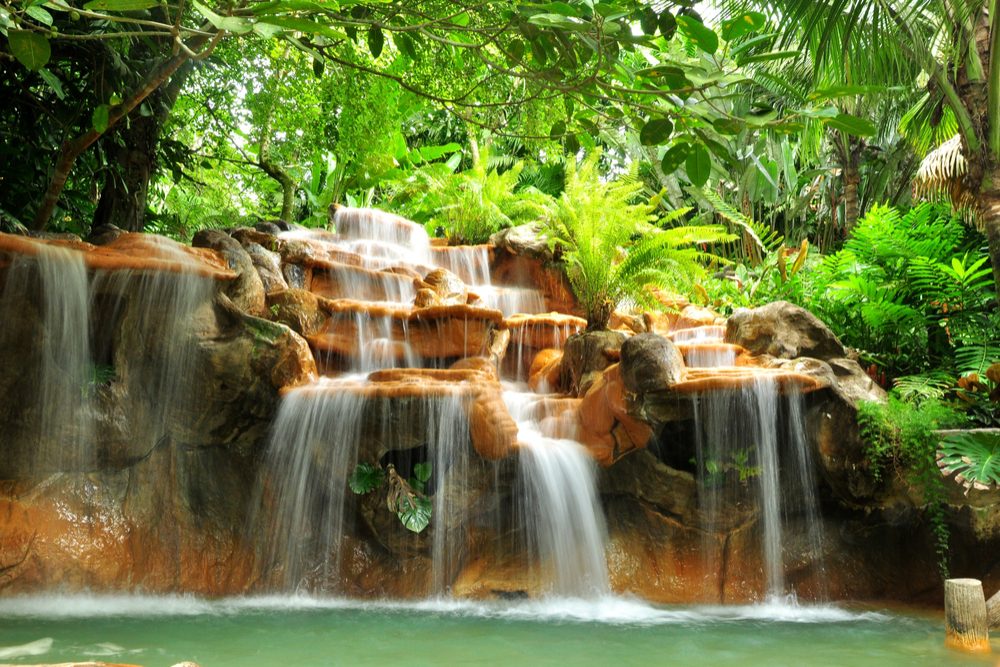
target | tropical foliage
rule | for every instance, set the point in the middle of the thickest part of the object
(612, 251)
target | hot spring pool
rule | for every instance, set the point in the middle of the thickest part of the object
(300, 632)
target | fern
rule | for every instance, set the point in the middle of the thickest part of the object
(765, 239)
(926, 386)
(612, 251)
(974, 459)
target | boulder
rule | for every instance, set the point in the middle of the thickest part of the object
(649, 363)
(268, 265)
(247, 290)
(606, 427)
(696, 316)
(543, 376)
(296, 308)
(586, 355)
(524, 240)
(783, 330)
(440, 287)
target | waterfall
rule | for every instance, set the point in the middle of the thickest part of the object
(321, 433)
(743, 448)
(561, 509)
(54, 283)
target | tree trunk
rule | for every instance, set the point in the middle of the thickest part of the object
(965, 618)
(133, 150)
(989, 204)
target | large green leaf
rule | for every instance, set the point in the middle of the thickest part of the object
(698, 165)
(973, 457)
(376, 40)
(655, 132)
(30, 48)
(695, 30)
(741, 25)
(414, 512)
(860, 127)
(674, 158)
(99, 119)
(233, 24)
(366, 477)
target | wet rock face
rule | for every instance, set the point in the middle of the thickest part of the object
(440, 287)
(247, 291)
(781, 329)
(649, 363)
(586, 355)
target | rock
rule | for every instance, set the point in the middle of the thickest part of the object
(586, 355)
(268, 265)
(298, 309)
(545, 371)
(524, 240)
(268, 228)
(440, 287)
(247, 291)
(481, 364)
(105, 234)
(696, 316)
(649, 363)
(783, 330)
(607, 429)
(493, 431)
(294, 275)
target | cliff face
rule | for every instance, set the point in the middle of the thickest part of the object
(141, 383)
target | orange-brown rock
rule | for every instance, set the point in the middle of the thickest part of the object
(438, 332)
(699, 380)
(519, 271)
(298, 309)
(335, 280)
(493, 431)
(482, 365)
(440, 287)
(136, 252)
(702, 333)
(546, 368)
(696, 316)
(607, 429)
(543, 331)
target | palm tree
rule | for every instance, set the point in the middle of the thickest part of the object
(950, 43)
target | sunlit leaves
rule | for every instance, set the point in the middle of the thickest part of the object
(696, 31)
(743, 24)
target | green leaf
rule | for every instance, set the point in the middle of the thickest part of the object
(415, 513)
(318, 67)
(376, 40)
(695, 30)
(232, 24)
(647, 21)
(672, 77)
(765, 57)
(422, 471)
(558, 130)
(30, 48)
(698, 165)
(741, 25)
(860, 127)
(99, 118)
(39, 14)
(406, 45)
(655, 132)
(974, 458)
(120, 5)
(674, 158)
(366, 477)
(307, 26)
(54, 83)
(266, 30)
(667, 25)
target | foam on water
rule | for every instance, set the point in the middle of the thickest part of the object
(607, 609)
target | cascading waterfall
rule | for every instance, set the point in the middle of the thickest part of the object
(133, 305)
(740, 443)
(56, 280)
(315, 446)
(561, 510)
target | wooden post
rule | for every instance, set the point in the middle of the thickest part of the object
(965, 618)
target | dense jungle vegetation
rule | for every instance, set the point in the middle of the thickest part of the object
(840, 154)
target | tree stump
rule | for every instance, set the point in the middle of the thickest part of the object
(965, 617)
